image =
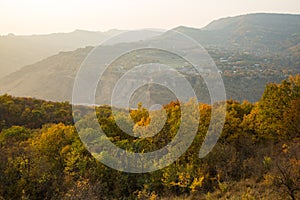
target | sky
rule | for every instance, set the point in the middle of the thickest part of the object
(25, 17)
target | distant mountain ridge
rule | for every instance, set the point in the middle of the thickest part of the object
(18, 51)
(270, 20)
(258, 33)
(264, 35)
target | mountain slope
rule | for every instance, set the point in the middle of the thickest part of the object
(245, 74)
(18, 51)
(257, 33)
(49, 79)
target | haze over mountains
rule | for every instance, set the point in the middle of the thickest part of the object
(258, 33)
(249, 50)
(18, 51)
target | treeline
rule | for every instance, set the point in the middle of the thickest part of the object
(32, 113)
(42, 156)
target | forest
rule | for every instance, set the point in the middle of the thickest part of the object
(256, 157)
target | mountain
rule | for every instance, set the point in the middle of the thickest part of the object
(19, 51)
(47, 79)
(257, 33)
(249, 50)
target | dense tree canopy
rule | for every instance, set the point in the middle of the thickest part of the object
(42, 156)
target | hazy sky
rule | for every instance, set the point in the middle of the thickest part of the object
(46, 16)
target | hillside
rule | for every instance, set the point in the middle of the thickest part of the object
(257, 33)
(244, 49)
(44, 155)
(50, 78)
(18, 51)
(53, 78)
